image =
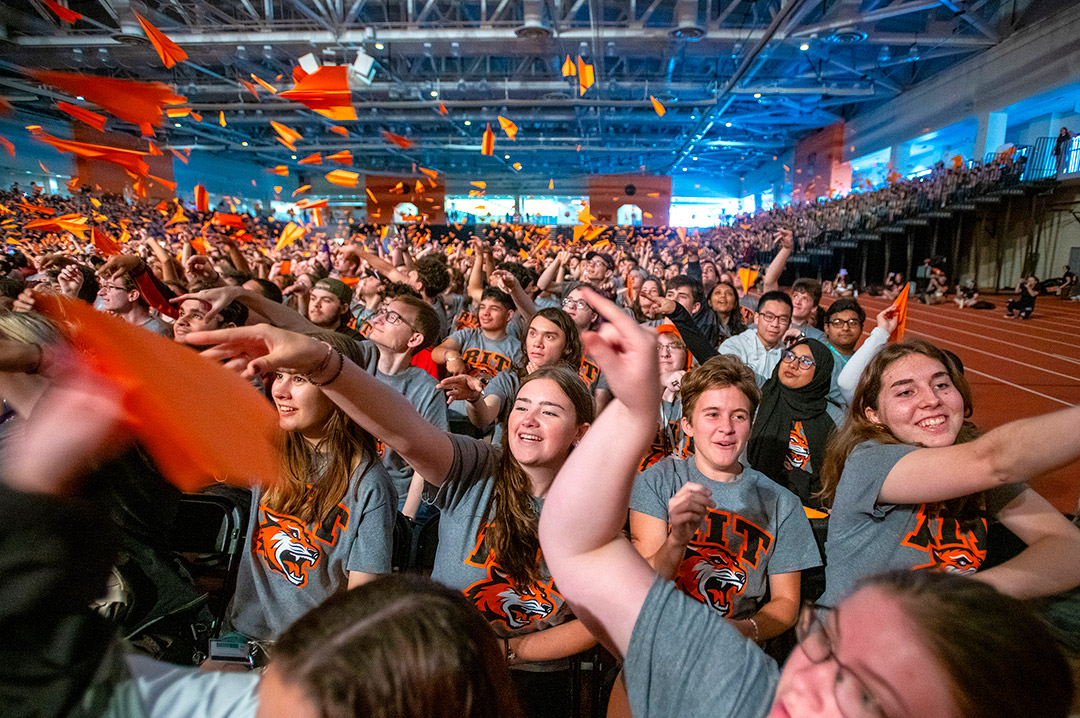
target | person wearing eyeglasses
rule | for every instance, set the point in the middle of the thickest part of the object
(401, 327)
(901, 645)
(844, 321)
(761, 346)
(121, 296)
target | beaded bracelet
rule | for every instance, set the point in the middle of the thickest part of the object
(341, 365)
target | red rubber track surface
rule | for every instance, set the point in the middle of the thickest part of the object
(1016, 368)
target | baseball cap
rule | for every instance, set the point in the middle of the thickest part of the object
(336, 287)
(608, 260)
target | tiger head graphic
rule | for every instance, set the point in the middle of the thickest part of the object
(711, 575)
(285, 546)
(798, 450)
(502, 602)
(956, 559)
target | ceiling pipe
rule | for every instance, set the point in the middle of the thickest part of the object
(726, 96)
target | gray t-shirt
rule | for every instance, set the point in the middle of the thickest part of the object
(484, 357)
(685, 660)
(289, 567)
(463, 561)
(422, 391)
(505, 385)
(867, 536)
(757, 529)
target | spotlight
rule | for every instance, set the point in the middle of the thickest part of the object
(434, 93)
(379, 46)
(804, 47)
(176, 124)
(243, 144)
(727, 124)
(757, 95)
(468, 122)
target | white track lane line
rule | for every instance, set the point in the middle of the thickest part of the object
(1016, 386)
(1070, 377)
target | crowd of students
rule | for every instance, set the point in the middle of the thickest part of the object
(622, 443)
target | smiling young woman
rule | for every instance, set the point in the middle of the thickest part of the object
(489, 496)
(911, 486)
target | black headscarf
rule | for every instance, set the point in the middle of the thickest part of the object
(780, 408)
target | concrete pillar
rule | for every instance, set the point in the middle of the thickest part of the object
(899, 156)
(990, 133)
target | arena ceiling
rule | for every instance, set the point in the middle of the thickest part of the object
(740, 80)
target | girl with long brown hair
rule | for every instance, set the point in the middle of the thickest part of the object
(489, 497)
(326, 525)
(911, 485)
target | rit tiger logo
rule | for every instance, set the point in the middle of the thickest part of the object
(716, 565)
(947, 547)
(500, 600)
(503, 603)
(712, 576)
(285, 547)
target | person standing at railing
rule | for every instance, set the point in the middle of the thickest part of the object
(1061, 151)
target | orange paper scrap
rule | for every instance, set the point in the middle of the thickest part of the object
(901, 315)
(202, 199)
(91, 118)
(443, 110)
(343, 178)
(169, 52)
(569, 69)
(487, 145)
(371, 195)
(325, 91)
(508, 127)
(586, 75)
(270, 88)
(131, 160)
(221, 118)
(139, 103)
(289, 234)
(398, 140)
(430, 173)
(747, 277)
(340, 130)
(660, 110)
(288, 135)
(104, 243)
(282, 170)
(164, 386)
(301, 188)
(551, 184)
(344, 157)
(314, 159)
(62, 12)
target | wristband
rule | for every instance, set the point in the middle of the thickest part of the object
(340, 367)
(757, 634)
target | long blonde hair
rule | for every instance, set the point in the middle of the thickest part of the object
(314, 479)
(858, 427)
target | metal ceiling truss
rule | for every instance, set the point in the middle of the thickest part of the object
(741, 80)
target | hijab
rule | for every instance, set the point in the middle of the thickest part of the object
(780, 408)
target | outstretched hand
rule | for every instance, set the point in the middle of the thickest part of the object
(627, 354)
(215, 299)
(261, 349)
(889, 318)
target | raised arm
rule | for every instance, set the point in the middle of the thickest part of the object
(476, 276)
(1008, 454)
(380, 409)
(771, 280)
(379, 264)
(595, 567)
(547, 280)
